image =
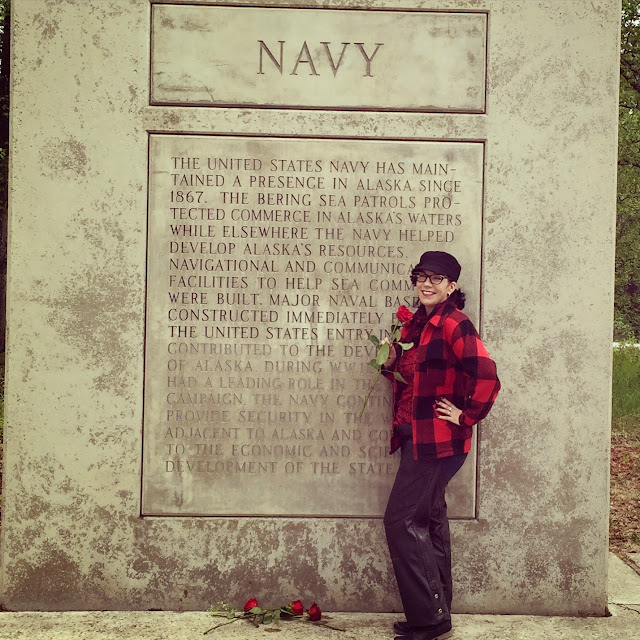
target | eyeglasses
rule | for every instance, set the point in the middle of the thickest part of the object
(433, 279)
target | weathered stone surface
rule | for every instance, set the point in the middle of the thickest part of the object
(321, 58)
(73, 536)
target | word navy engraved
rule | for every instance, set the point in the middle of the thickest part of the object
(305, 57)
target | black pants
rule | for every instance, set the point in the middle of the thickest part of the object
(417, 531)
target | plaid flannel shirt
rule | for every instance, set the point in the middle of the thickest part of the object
(451, 363)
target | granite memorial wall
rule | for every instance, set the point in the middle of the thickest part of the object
(212, 205)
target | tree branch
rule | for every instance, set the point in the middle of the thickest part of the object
(629, 71)
(625, 162)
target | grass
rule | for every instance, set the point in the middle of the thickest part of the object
(626, 391)
(624, 521)
(1, 428)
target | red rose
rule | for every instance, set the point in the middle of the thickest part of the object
(297, 608)
(251, 602)
(404, 315)
(314, 612)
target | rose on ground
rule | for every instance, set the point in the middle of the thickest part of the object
(404, 315)
(314, 612)
(297, 608)
(251, 602)
(258, 615)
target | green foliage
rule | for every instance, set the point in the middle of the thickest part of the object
(5, 7)
(383, 350)
(5, 17)
(622, 330)
(626, 390)
(627, 288)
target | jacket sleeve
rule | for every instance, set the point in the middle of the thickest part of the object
(482, 377)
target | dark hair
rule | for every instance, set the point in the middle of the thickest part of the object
(458, 298)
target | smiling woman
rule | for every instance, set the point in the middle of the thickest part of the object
(444, 383)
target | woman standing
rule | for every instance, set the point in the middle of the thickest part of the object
(451, 383)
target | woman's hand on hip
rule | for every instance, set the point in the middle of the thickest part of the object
(448, 411)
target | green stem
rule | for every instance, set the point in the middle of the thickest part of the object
(392, 341)
(370, 390)
(328, 626)
(220, 625)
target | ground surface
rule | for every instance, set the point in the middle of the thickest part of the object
(624, 523)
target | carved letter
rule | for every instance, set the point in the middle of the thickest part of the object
(264, 47)
(309, 60)
(366, 57)
(334, 67)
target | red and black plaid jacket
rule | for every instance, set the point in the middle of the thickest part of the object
(452, 363)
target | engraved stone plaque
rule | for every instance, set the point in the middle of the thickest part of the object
(318, 58)
(270, 260)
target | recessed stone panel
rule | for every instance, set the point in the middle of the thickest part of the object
(318, 58)
(270, 260)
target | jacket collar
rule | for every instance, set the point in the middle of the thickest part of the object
(440, 313)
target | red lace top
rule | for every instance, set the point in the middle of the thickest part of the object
(406, 368)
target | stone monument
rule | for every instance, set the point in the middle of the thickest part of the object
(213, 204)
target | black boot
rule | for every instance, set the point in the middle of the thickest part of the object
(437, 632)
(402, 627)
